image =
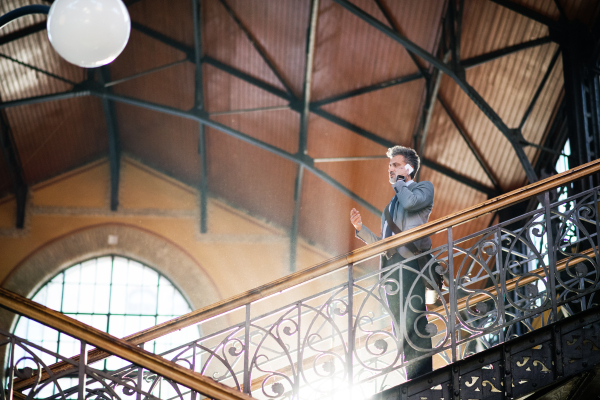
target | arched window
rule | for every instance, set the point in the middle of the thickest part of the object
(114, 294)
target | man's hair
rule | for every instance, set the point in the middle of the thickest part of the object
(410, 157)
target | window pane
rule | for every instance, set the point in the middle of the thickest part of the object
(135, 295)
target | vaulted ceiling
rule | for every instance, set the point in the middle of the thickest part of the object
(285, 107)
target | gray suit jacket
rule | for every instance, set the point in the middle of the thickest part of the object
(415, 202)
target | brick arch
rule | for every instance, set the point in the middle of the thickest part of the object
(133, 242)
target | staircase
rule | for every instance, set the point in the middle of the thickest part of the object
(518, 314)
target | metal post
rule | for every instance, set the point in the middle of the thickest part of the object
(247, 389)
(194, 393)
(452, 294)
(296, 389)
(11, 369)
(501, 317)
(551, 256)
(350, 359)
(140, 379)
(83, 360)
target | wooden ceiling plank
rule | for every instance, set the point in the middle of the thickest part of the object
(494, 55)
(189, 52)
(467, 138)
(394, 24)
(519, 9)
(512, 135)
(258, 47)
(538, 92)
(246, 77)
(367, 89)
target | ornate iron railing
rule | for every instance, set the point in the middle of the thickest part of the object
(156, 377)
(328, 332)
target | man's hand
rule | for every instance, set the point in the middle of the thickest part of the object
(356, 219)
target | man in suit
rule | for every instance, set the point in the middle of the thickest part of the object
(410, 206)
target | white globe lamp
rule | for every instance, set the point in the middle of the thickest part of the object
(88, 33)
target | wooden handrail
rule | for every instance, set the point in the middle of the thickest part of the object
(111, 344)
(333, 264)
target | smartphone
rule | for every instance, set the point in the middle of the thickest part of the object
(409, 168)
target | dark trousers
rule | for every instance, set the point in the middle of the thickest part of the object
(424, 365)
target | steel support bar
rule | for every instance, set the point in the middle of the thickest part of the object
(45, 98)
(473, 184)
(367, 89)
(21, 12)
(201, 117)
(424, 161)
(478, 156)
(296, 218)
(541, 86)
(257, 46)
(455, 11)
(513, 136)
(144, 73)
(199, 105)
(15, 169)
(246, 77)
(527, 12)
(494, 55)
(36, 69)
(21, 33)
(189, 51)
(311, 34)
(114, 146)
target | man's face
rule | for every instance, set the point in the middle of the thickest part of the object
(396, 168)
